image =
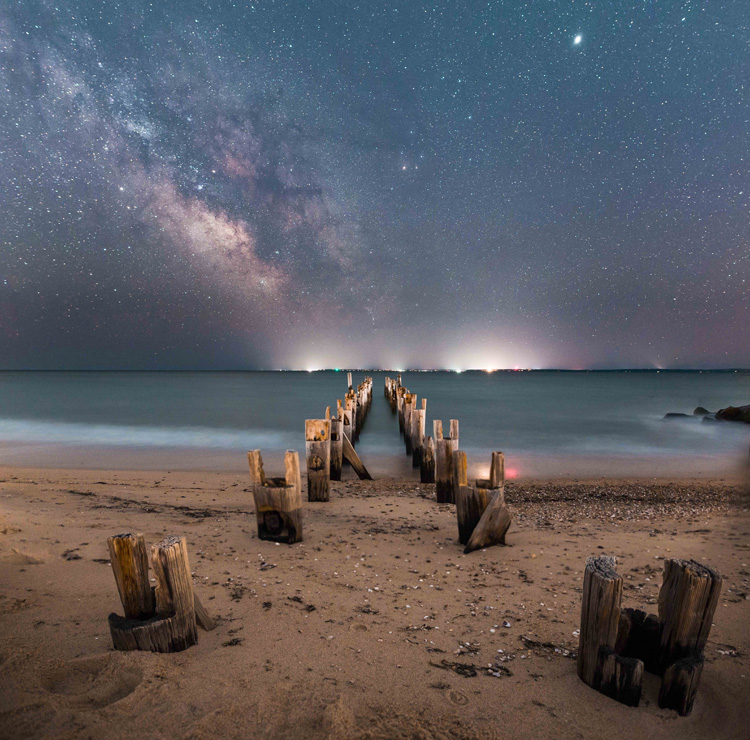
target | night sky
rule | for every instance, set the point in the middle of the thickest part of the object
(383, 184)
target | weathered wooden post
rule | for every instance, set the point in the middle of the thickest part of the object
(471, 503)
(400, 396)
(427, 463)
(410, 406)
(687, 602)
(444, 449)
(611, 659)
(481, 509)
(166, 621)
(278, 501)
(348, 424)
(351, 404)
(318, 449)
(337, 444)
(418, 421)
(129, 559)
(458, 473)
(599, 665)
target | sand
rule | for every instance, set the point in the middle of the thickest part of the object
(356, 632)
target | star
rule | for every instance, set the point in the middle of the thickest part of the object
(577, 40)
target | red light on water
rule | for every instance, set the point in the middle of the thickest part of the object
(511, 472)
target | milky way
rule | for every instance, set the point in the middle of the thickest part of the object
(320, 184)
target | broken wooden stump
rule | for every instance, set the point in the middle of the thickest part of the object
(444, 449)
(612, 659)
(169, 622)
(482, 515)
(318, 452)
(278, 501)
(427, 461)
(127, 553)
(687, 602)
(598, 664)
(494, 522)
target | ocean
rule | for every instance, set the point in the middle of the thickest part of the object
(548, 423)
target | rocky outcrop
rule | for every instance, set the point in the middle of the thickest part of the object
(700, 411)
(672, 416)
(734, 413)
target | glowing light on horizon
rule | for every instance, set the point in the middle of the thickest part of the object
(511, 472)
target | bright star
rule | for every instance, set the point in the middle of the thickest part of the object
(577, 40)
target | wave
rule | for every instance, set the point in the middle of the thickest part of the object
(76, 433)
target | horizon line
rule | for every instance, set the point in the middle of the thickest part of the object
(457, 371)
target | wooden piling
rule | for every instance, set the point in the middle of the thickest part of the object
(419, 420)
(444, 449)
(494, 522)
(337, 448)
(173, 626)
(278, 501)
(318, 449)
(458, 473)
(129, 559)
(617, 645)
(478, 527)
(410, 407)
(600, 615)
(427, 462)
(400, 396)
(687, 602)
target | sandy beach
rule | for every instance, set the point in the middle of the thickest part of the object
(375, 626)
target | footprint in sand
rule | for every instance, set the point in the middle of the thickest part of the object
(95, 681)
(358, 627)
(15, 557)
(458, 698)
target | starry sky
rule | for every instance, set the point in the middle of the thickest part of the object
(230, 184)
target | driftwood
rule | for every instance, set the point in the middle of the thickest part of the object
(353, 459)
(172, 624)
(617, 645)
(318, 449)
(278, 501)
(427, 461)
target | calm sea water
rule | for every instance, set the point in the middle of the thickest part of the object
(547, 423)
